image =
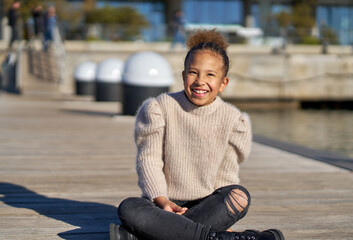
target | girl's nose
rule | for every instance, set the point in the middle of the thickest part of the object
(200, 80)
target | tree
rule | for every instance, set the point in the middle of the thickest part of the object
(126, 21)
(300, 19)
(6, 5)
(303, 17)
(283, 19)
(312, 4)
(328, 35)
(89, 5)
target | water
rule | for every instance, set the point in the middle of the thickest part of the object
(328, 130)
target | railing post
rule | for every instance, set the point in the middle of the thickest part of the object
(59, 53)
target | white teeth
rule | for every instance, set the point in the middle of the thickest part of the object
(200, 91)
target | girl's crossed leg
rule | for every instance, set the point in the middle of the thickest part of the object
(216, 212)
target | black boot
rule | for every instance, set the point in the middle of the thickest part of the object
(117, 232)
(271, 234)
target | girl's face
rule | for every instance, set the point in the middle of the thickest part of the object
(204, 77)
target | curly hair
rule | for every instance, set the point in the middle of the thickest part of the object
(208, 40)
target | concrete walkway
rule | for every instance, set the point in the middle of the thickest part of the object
(66, 162)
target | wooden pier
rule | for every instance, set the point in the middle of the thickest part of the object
(66, 163)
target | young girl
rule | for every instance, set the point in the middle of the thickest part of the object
(190, 145)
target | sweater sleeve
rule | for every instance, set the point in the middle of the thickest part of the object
(149, 134)
(237, 151)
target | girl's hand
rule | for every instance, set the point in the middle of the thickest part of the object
(168, 205)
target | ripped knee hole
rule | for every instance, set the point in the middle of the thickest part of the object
(236, 201)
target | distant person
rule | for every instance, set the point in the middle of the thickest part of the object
(49, 26)
(190, 145)
(178, 29)
(38, 20)
(13, 22)
(29, 30)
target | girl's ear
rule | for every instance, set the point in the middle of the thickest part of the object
(184, 77)
(224, 84)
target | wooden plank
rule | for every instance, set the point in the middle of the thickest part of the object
(64, 170)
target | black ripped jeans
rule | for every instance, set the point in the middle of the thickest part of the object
(147, 221)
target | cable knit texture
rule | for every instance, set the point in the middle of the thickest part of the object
(185, 152)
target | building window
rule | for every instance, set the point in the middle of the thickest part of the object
(339, 19)
(213, 11)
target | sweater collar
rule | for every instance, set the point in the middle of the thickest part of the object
(194, 109)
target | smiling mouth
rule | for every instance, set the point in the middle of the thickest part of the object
(199, 91)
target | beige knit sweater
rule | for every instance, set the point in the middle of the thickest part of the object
(185, 152)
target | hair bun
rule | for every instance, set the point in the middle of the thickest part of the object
(202, 36)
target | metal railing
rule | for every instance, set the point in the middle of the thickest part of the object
(60, 55)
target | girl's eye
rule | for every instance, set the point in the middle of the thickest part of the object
(192, 72)
(211, 74)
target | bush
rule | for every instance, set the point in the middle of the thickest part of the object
(310, 40)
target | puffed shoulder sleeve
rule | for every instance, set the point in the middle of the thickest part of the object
(149, 137)
(237, 151)
(241, 138)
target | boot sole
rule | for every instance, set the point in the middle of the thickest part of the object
(277, 233)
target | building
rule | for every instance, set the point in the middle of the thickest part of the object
(335, 14)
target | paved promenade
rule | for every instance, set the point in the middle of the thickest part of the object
(67, 162)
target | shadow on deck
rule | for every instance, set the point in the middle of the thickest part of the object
(91, 218)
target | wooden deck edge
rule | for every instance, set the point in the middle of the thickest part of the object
(320, 155)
